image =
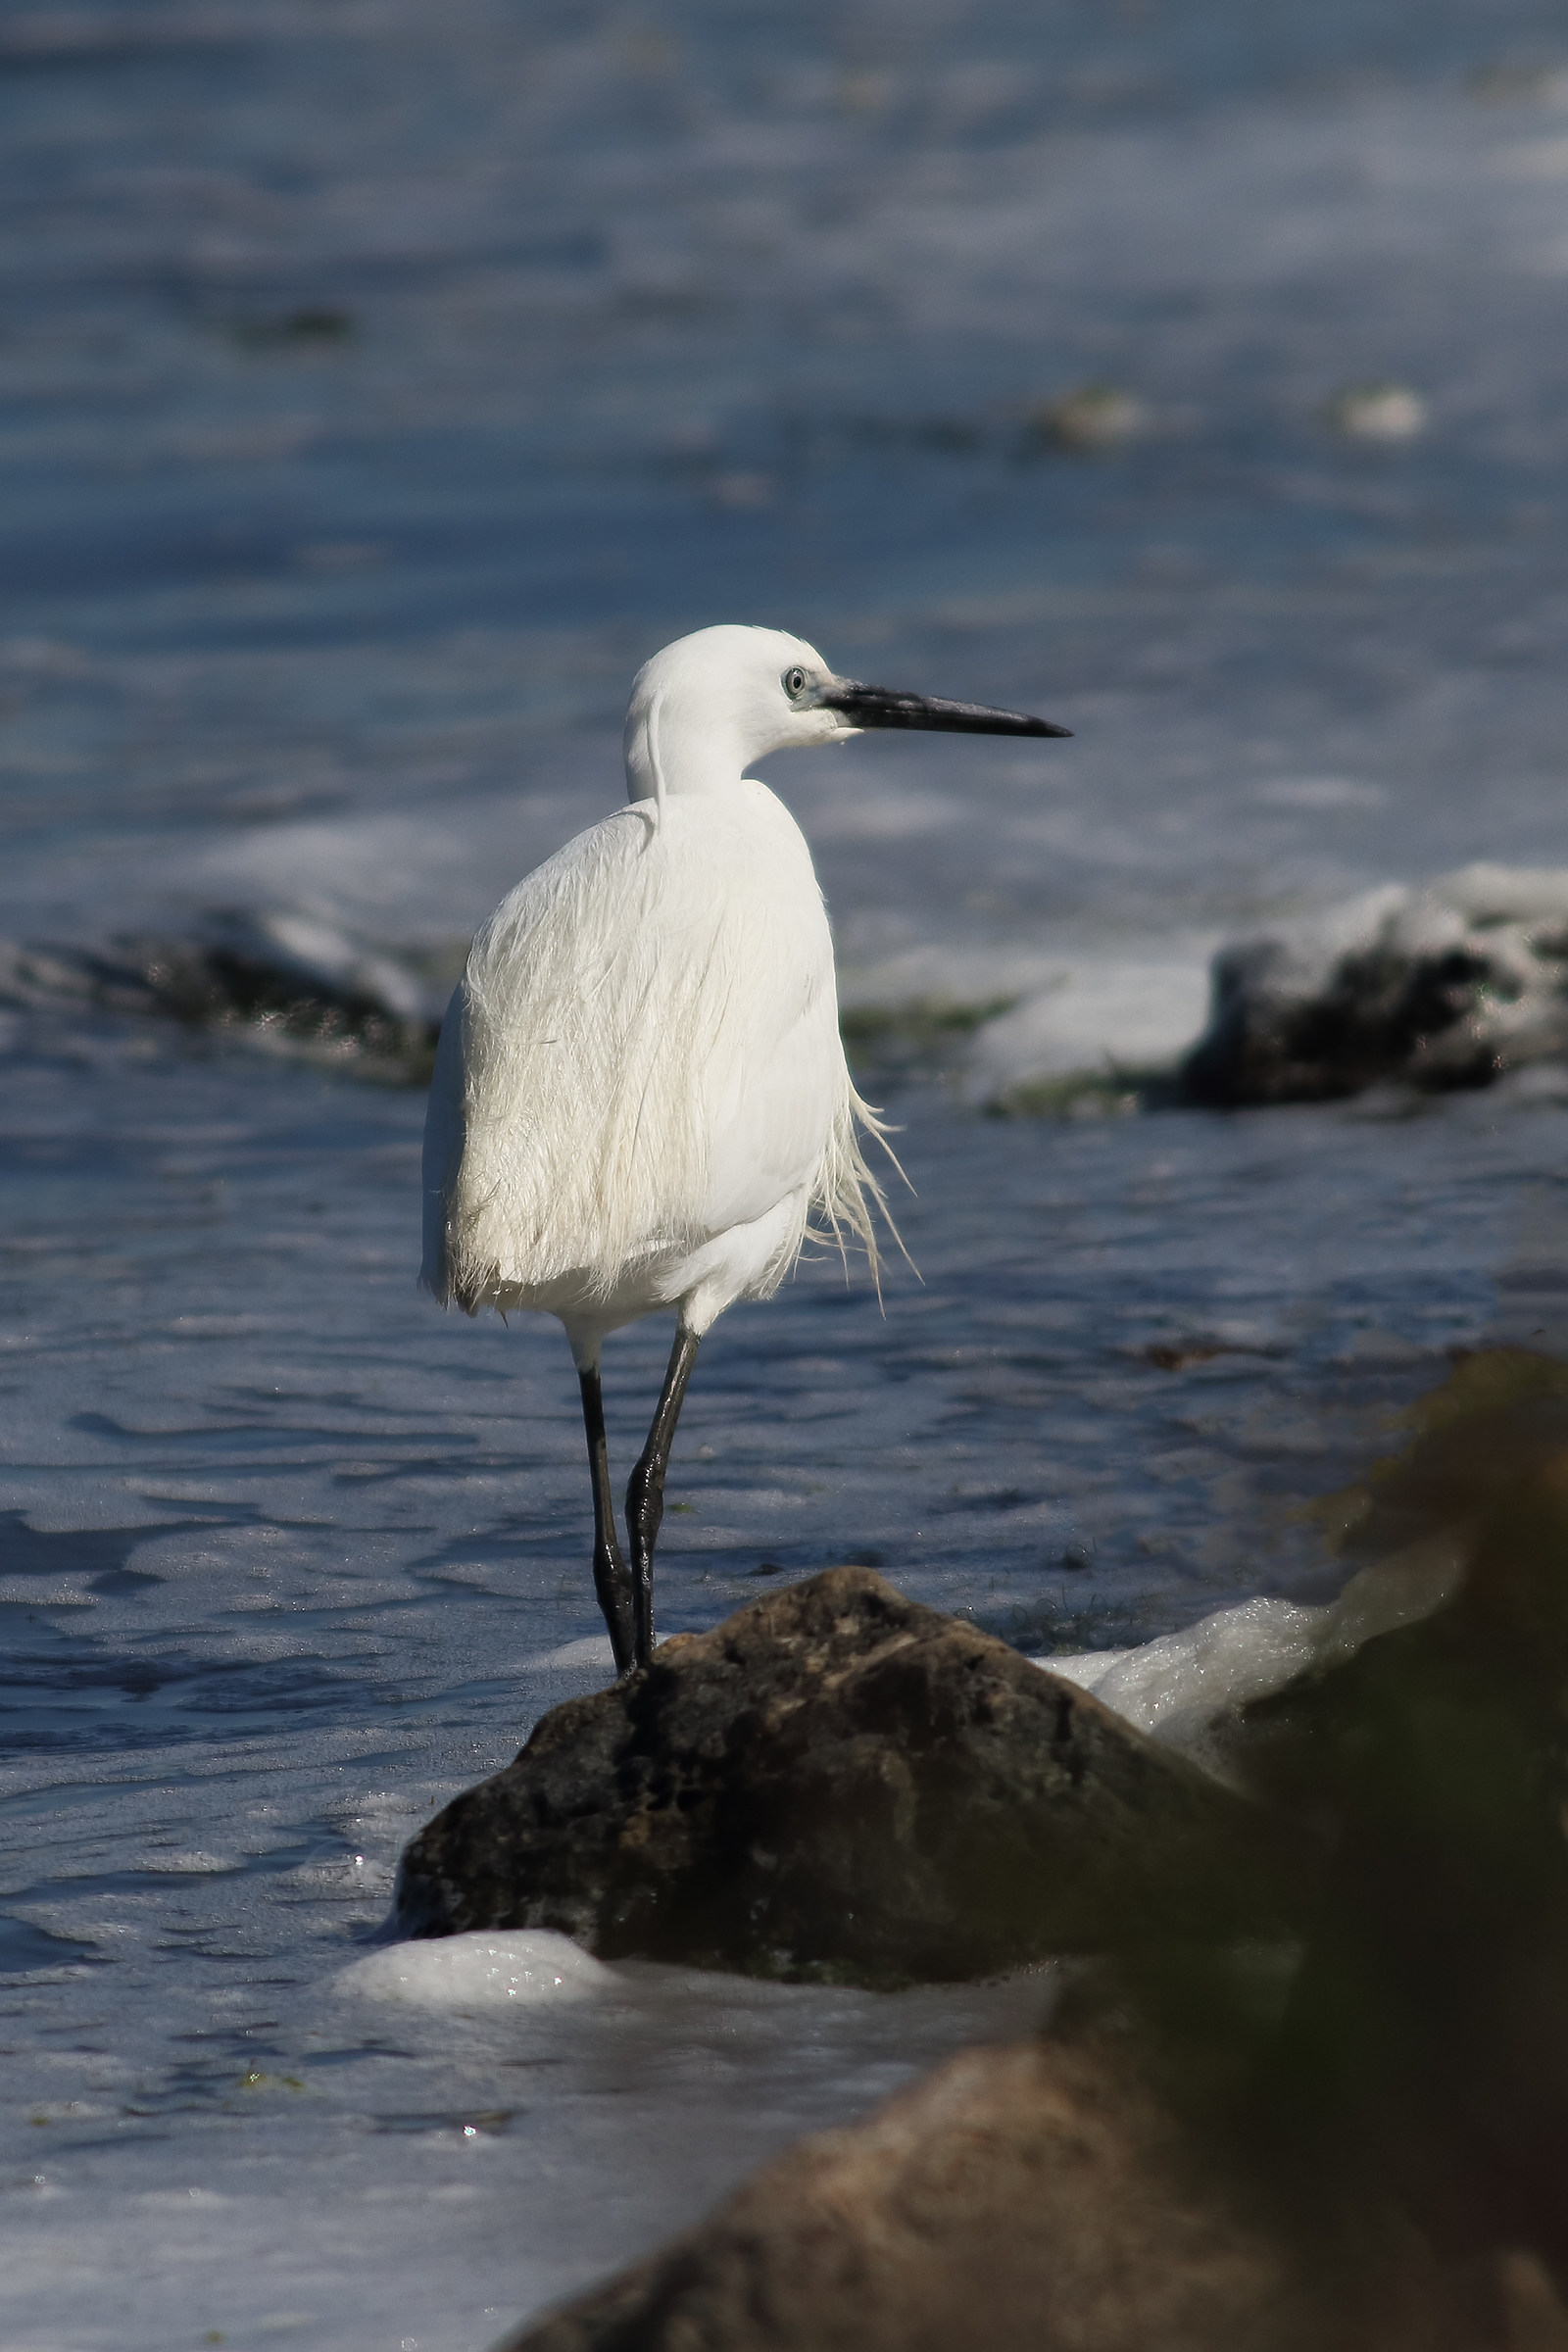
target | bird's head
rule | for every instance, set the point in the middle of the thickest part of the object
(710, 704)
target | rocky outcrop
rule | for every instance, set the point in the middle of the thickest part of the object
(1041, 2198)
(291, 980)
(1350, 2139)
(1444, 987)
(838, 1782)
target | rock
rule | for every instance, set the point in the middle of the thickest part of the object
(1038, 2198)
(1377, 412)
(299, 979)
(1091, 417)
(1351, 2139)
(1449, 985)
(1444, 987)
(1005, 2192)
(293, 981)
(838, 1782)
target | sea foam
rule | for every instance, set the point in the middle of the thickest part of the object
(1180, 1689)
(465, 1974)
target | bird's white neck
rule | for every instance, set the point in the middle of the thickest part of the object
(666, 756)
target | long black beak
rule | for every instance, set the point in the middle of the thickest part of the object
(883, 706)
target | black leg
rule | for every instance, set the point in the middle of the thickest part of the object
(645, 1495)
(611, 1577)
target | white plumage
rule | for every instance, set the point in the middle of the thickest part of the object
(642, 1062)
(640, 1098)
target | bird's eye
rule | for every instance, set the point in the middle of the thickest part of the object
(794, 684)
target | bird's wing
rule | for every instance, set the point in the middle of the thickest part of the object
(648, 1045)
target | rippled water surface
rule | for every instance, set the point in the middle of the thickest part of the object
(379, 385)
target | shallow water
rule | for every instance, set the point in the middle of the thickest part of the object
(290, 1558)
(377, 387)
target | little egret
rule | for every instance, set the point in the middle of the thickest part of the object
(640, 1096)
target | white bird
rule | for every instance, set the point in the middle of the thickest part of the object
(640, 1097)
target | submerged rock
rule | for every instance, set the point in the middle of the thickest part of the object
(839, 1782)
(1444, 987)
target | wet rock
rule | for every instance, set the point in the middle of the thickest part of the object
(1444, 987)
(838, 1782)
(299, 977)
(291, 981)
(1038, 2198)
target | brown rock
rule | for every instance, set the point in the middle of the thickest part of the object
(839, 1782)
(1035, 2199)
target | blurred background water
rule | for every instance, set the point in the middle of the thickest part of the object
(379, 384)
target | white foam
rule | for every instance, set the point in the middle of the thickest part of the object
(1178, 1688)
(592, 1650)
(1098, 1017)
(479, 1971)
